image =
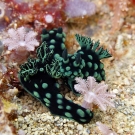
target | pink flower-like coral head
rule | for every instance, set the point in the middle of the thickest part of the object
(94, 93)
(19, 39)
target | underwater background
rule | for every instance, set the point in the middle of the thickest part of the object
(67, 67)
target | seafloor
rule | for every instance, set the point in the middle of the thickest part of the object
(35, 119)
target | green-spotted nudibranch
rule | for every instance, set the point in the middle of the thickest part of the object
(85, 62)
(39, 75)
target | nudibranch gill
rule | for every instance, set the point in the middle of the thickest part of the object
(39, 76)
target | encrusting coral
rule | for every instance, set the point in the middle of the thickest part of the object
(39, 75)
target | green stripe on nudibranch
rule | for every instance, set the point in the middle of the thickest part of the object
(80, 112)
(68, 107)
(60, 107)
(89, 112)
(95, 74)
(51, 32)
(62, 45)
(47, 104)
(68, 68)
(83, 120)
(90, 57)
(46, 100)
(101, 65)
(89, 64)
(59, 35)
(68, 114)
(64, 34)
(86, 73)
(35, 93)
(57, 85)
(45, 36)
(36, 86)
(44, 85)
(52, 41)
(59, 96)
(63, 39)
(95, 66)
(51, 47)
(41, 69)
(59, 101)
(48, 95)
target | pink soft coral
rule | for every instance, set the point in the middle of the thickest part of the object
(20, 39)
(104, 129)
(94, 93)
(19, 42)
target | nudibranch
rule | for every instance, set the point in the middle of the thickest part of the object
(39, 76)
(85, 62)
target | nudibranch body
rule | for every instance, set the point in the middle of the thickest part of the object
(85, 62)
(39, 75)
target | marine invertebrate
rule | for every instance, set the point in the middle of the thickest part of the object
(39, 75)
(19, 39)
(85, 62)
(104, 129)
(94, 93)
(37, 78)
(20, 43)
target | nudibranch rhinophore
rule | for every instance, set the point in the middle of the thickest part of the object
(39, 75)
